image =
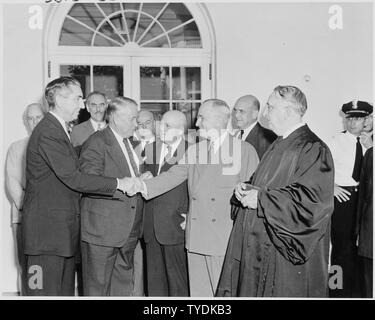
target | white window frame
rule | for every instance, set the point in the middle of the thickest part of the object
(131, 57)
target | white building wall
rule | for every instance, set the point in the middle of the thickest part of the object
(258, 47)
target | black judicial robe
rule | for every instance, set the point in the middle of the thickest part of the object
(281, 248)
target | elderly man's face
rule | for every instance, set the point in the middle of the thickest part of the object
(244, 114)
(275, 113)
(96, 106)
(125, 120)
(146, 125)
(170, 129)
(33, 116)
(206, 122)
(70, 102)
(355, 125)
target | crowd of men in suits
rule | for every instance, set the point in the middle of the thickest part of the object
(115, 209)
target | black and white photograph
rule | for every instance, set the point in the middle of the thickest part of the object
(186, 150)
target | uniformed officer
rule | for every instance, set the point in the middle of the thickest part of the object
(347, 150)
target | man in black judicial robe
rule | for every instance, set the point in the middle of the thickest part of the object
(280, 240)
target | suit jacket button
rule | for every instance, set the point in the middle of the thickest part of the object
(213, 220)
(194, 198)
(212, 199)
(193, 218)
(133, 207)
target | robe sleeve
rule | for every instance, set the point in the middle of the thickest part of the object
(297, 215)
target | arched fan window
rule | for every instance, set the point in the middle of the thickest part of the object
(148, 25)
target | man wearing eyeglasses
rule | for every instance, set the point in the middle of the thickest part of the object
(145, 132)
(348, 149)
(96, 104)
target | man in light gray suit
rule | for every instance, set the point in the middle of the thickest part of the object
(96, 104)
(212, 168)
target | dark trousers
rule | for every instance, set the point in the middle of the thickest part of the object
(365, 277)
(48, 275)
(344, 250)
(167, 273)
(108, 271)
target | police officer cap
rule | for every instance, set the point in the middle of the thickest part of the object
(356, 109)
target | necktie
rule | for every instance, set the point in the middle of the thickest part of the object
(358, 161)
(131, 158)
(68, 127)
(241, 133)
(168, 156)
(99, 127)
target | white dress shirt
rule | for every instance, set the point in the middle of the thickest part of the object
(120, 141)
(62, 122)
(343, 149)
(164, 151)
(246, 131)
(15, 181)
(96, 124)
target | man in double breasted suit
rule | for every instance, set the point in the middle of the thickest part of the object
(212, 168)
(54, 181)
(163, 232)
(112, 226)
(245, 114)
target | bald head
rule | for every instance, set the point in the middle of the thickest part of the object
(32, 115)
(245, 111)
(213, 116)
(172, 126)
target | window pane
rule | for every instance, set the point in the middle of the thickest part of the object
(152, 8)
(174, 15)
(109, 8)
(186, 37)
(161, 42)
(131, 20)
(73, 34)
(87, 13)
(109, 80)
(107, 30)
(158, 109)
(144, 22)
(79, 72)
(190, 109)
(186, 83)
(155, 83)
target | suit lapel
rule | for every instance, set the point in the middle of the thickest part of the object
(115, 152)
(52, 119)
(89, 126)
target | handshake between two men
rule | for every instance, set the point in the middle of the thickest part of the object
(133, 185)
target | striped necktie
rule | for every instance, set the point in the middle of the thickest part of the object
(131, 157)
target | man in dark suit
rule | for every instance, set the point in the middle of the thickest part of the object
(96, 104)
(245, 114)
(364, 223)
(166, 260)
(51, 213)
(111, 227)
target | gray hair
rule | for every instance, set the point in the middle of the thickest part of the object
(116, 102)
(55, 86)
(294, 96)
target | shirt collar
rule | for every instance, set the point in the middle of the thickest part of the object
(96, 124)
(248, 129)
(62, 122)
(292, 129)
